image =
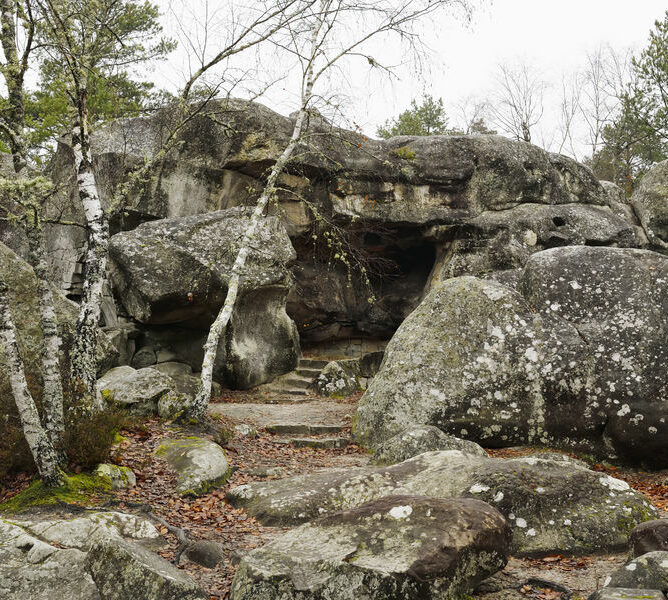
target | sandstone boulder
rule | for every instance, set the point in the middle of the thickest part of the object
(572, 358)
(139, 391)
(124, 571)
(46, 559)
(176, 271)
(552, 506)
(199, 463)
(399, 547)
(419, 439)
(649, 537)
(648, 571)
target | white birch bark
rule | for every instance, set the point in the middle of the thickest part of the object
(196, 411)
(54, 421)
(83, 363)
(41, 448)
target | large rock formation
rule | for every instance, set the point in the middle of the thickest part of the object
(413, 210)
(176, 271)
(553, 506)
(573, 358)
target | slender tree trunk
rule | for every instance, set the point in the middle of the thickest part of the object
(54, 421)
(41, 448)
(83, 362)
(13, 75)
(196, 411)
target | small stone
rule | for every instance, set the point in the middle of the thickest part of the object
(245, 431)
(205, 553)
(649, 536)
(617, 593)
(121, 477)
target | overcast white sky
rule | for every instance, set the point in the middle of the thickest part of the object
(553, 37)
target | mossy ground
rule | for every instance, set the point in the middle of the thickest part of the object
(83, 490)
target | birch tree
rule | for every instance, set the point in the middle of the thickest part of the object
(87, 38)
(331, 32)
(518, 106)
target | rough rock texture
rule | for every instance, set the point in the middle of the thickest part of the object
(186, 382)
(650, 202)
(649, 536)
(124, 571)
(448, 204)
(175, 271)
(137, 391)
(336, 381)
(552, 506)
(573, 358)
(399, 547)
(200, 464)
(649, 571)
(43, 560)
(120, 477)
(418, 439)
(609, 593)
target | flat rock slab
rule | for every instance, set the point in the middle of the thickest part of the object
(307, 414)
(396, 548)
(626, 594)
(302, 428)
(649, 571)
(323, 443)
(553, 506)
(200, 464)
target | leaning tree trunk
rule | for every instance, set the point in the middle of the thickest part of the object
(197, 409)
(41, 448)
(54, 421)
(83, 360)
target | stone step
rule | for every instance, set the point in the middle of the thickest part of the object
(302, 428)
(312, 363)
(294, 381)
(323, 443)
(292, 391)
(310, 373)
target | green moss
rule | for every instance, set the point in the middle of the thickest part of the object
(118, 438)
(82, 489)
(404, 152)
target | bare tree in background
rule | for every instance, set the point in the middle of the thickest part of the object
(518, 103)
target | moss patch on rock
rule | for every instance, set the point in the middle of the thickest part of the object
(82, 489)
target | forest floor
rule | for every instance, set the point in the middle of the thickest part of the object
(210, 517)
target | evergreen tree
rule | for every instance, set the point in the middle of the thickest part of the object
(428, 118)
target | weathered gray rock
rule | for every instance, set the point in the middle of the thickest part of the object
(205, 553)
(175, 271)
(186, 383)
(200, 464)
(418, 439)
(460, 204)
(649, 537)
(649, 571)
(650, 202)
(573, 358)
(395, 548)
(120, 477)
(336, 381)
(123, 571)
(46, 559)
(144, 357)
(552, 506)
(609, 593)
(139, 391)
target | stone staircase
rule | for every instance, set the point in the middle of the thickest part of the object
(297, 384)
